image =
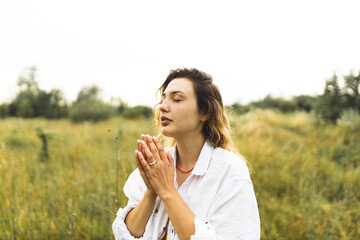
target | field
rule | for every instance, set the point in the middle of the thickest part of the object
(59, 179)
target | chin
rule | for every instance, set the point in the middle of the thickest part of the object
(166, 132)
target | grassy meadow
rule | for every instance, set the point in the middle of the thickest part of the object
(58, 178)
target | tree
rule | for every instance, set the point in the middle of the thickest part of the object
(329, 105)
(24, 102)
(281, 104)
(28, 79)
(304, 102)
(86, 93)
(89, 107)
(4, 110)
(351, 89)
(57, 104)
(239, 108)
(50, 104)
(31, 101)
(138, 111)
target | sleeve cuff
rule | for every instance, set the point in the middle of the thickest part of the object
(203, 230)
(119, 227)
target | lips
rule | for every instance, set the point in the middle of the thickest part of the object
(165, 119)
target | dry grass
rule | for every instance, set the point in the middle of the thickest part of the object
(306, 176)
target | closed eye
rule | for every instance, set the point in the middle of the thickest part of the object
(173, 95)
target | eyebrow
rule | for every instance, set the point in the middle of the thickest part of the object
(173, 93)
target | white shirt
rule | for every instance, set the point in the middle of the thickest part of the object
(219, 193)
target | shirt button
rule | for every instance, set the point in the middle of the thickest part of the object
(156, 210)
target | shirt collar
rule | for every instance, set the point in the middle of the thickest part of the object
(203, 161)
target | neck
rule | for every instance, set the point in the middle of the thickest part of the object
(188, 150)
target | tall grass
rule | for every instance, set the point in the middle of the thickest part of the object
(306, 176)
(72, 194)
(305, 190)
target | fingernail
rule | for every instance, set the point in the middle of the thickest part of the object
(143, 143)
(148, 136)
(155, 138)
(140, 154)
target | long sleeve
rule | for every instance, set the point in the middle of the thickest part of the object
(219, 192)
(233, 215)
(134, 190)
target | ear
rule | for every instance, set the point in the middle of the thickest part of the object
(204, 118)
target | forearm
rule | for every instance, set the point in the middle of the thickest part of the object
(137, 218)
(179, 213)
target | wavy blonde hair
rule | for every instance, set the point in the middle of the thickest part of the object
(216, 129)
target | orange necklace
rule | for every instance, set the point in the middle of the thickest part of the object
(184, 171)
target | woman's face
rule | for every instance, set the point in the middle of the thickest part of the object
(179, 113)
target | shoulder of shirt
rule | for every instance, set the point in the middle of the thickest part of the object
(134, 185)
(233, 163)
(135, 173)
(134, 177)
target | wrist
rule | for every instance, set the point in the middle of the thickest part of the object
(150, 194)
(167, 194)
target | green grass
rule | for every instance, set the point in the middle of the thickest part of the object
(306, 176)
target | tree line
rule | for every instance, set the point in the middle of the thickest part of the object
(329, 106)
(31, 101)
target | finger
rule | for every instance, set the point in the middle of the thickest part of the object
(143, 163)
(144, 138)
(160, 148)
(140, 167)
(170, 159)
(138, 145)
(151, 145)
(138, 161)
(148, 155)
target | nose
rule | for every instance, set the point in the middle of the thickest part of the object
(164, 106)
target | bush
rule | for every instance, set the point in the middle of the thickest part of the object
(4, 110)
(304, 102)
(239, 109)
(91, 110)
(350, 119)
(270, 102)
(138, 111)
(286, 106)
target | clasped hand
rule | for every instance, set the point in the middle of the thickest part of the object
(156, 166)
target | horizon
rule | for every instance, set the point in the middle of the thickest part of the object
(252, 49)
(112, 99)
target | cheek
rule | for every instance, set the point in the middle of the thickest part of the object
(188, 115)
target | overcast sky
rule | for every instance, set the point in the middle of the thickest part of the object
(127, 48)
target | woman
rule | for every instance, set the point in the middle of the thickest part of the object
(200, 188)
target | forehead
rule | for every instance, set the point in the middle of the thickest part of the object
(180, 84)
